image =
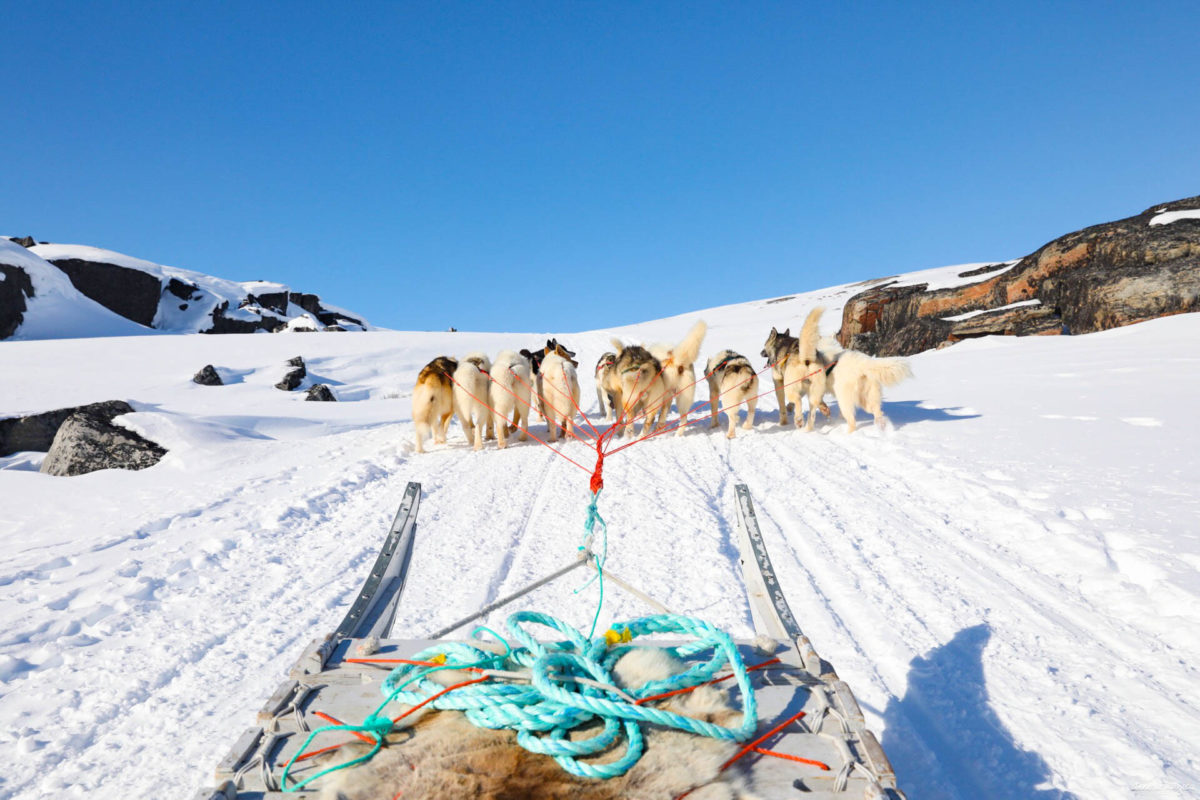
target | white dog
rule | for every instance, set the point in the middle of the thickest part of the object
(678, 373)
(471, 381)
(512, 382)
(856, 379)
(560, 393)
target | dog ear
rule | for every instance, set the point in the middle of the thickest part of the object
(526, 353)
(788, 332)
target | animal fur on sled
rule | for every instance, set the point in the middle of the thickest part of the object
(444, 756)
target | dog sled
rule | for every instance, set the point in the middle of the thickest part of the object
(809, 736)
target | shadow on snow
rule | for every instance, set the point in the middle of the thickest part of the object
(945, 741)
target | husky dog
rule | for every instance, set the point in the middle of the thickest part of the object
(535, 361)
(804, 369)
(512, 375)
(559, 390)
(471, 381)
(608, 388)
(433, 400)
(857, 380)
(779, 349)
(732, 380)
(441, 754)
(678, 373)
(643, 391)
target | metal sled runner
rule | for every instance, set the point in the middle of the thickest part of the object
(330, 681)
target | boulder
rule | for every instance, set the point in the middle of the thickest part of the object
(207, 376)
(294, 376)
(37, 431)
(320, 392)
(1097, 278)
(88, 442)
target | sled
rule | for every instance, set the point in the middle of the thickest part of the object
(325, 684)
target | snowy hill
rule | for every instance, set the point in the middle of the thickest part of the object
(1008, 577)
(54, 291)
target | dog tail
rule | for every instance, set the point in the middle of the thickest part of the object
(809, 335)
(618, 345)
(687, 351)
(888, 371)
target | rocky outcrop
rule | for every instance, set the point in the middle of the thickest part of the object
(36, 432)
(129, 292)
(88, 442)
(207, 376)
(320, 392)
(294, 376)
(1100, 277)
(15, 288)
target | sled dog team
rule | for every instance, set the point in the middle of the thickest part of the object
(639, 384)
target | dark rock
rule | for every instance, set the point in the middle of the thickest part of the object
(37, 431)
(207, 376)
(224, 324)
(88, 442)
(294, 376)
(129, 292)
(1100, 277)
(25, 242)
(309, 302)
(334, 328)
(276, 301)
(15, 288)
(184, 291)
(319, 391)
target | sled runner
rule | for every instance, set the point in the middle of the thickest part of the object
(809, 735)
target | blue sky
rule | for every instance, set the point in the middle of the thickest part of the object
(567, 166)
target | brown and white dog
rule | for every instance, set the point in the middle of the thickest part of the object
(643, 391)
(679, 375)
(558, 387)
(535, 362)
(608, 387)
(732, 382)
(471, 382)
(512, 379)
(442, 755)
(433, 400)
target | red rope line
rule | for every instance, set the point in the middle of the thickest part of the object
(505, 419)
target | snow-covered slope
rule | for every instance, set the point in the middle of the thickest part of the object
(72, 281)
(1008, 577)
(57, 309)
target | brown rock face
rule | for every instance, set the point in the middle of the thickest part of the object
(1100, 277)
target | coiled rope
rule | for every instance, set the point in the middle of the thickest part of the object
(544, 711)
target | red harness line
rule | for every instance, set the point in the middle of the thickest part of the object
(525, 429)
(677, 425)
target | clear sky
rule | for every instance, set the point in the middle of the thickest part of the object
(567, 166)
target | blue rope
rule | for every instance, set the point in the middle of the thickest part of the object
(593, 516)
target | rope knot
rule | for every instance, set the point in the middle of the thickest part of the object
(377, 726)
(597, 476)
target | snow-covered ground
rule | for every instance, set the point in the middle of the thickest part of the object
(1008, 577)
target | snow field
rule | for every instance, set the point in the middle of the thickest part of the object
(1007, 576)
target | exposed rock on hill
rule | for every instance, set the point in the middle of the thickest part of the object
(141, 292)
(1101, 277)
